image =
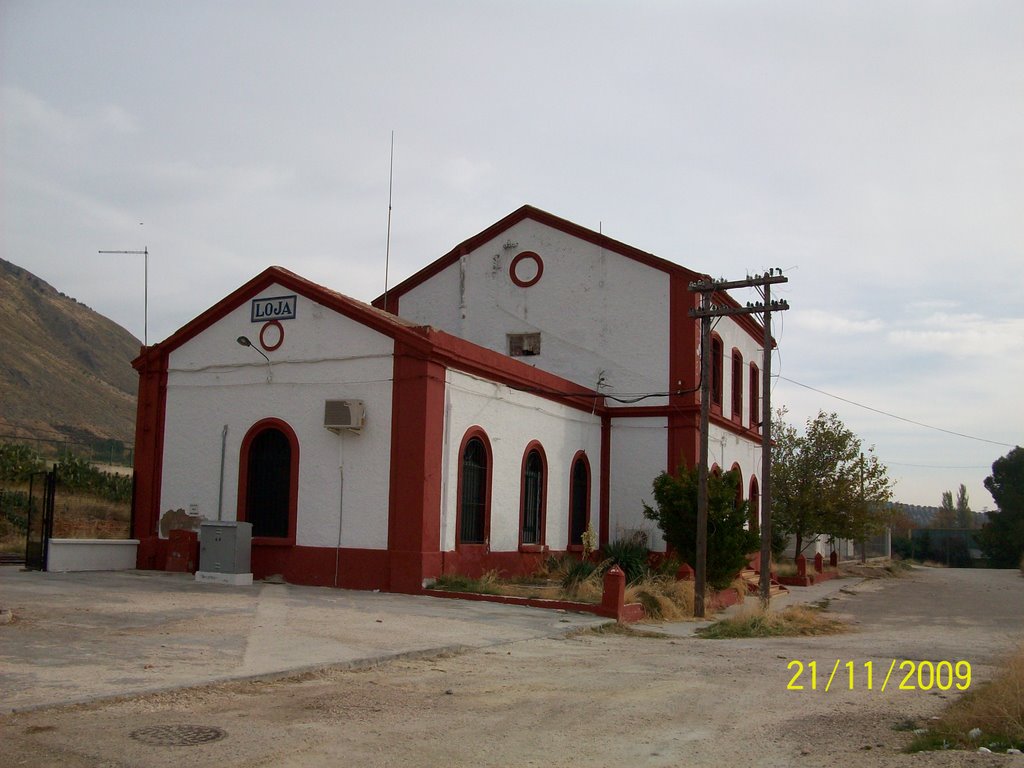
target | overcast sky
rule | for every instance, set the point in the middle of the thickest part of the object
(873, 150)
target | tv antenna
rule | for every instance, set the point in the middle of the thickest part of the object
(145, 290)
(387, 242)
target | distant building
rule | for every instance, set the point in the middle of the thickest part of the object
(526, 385)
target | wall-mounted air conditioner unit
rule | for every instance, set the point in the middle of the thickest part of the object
(344, 414)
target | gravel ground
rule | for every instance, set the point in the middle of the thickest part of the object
(591, 699)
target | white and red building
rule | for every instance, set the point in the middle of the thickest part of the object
(529, 383)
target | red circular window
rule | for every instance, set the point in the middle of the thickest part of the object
(526, 269)
(271, 335)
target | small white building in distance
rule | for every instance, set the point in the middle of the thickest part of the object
(526, 385)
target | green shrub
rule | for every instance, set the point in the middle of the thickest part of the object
(728, 540)
(576, 572)
(630, 554)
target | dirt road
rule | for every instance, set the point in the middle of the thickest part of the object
(587, 700)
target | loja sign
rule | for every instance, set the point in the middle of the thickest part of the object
(275, 308)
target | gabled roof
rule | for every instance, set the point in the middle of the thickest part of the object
(446, 349)
(550, 220)
(362, 312)
(751, 325)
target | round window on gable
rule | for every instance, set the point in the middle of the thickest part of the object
(526, 269)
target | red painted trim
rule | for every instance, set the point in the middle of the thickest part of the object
(150, 417)
(739, 485)
(683, 441)
(533, 445)
(579, 456)
(280, 338)
(417, 436)
(536, 259)
(477, 432)
(541, 217)
(736, 386)
(755, 399)
(465, 356)
(606, 480)
(315, 566)
(293, 480)
(365, 314)
(754, 510)
(717, 373)
(684, 275)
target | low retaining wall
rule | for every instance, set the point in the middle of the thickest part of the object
(91, 554)
(613, 604)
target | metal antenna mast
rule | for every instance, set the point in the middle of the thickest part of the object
(387, 245)
(145, 291)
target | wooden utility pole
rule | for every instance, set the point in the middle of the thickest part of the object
(707, 311)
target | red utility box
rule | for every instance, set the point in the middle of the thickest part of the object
(182, 552)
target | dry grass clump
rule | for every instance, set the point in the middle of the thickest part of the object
(890, 569)
(794, 621)
(663, 598)
(990, 716)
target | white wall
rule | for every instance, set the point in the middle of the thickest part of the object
(213, 381)
(91, 554)
(638, 454)
(599, 313)
(726, 448)
(511, 420)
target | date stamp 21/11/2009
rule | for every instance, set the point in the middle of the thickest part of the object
(849, 675)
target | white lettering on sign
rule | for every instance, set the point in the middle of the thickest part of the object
(276, 308)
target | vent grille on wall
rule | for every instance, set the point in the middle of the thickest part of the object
(344, 414)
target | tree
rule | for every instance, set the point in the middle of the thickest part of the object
(964, 514)
(824, 484)
(946, 516)
(729, 541)
(1002, 538)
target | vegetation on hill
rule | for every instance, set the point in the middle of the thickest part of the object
(65, 370)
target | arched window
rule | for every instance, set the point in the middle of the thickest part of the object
(474, 488)
(717, 354)
(534, 495)
(737, 385)
(268, 480)
(738, 473)
(579, 499)
(754, 506)
(755, 398)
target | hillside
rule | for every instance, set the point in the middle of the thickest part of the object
(64, 368)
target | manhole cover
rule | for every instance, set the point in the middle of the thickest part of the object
(178, 735)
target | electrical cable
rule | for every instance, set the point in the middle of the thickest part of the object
(894, 416)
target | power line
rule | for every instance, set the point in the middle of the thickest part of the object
(894, 416)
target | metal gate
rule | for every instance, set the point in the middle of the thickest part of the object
(42, 490)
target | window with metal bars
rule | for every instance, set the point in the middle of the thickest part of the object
(533, 498)
(579, 501)
(737, 386)
(473, 510)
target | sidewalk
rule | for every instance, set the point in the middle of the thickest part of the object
(82, 636)
(794, 596)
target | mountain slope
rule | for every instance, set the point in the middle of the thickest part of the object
(63, 368)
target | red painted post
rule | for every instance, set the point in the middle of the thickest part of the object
(819, 563)
(614, 597)
(685, 573)
(833, 559)
(801, 566)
